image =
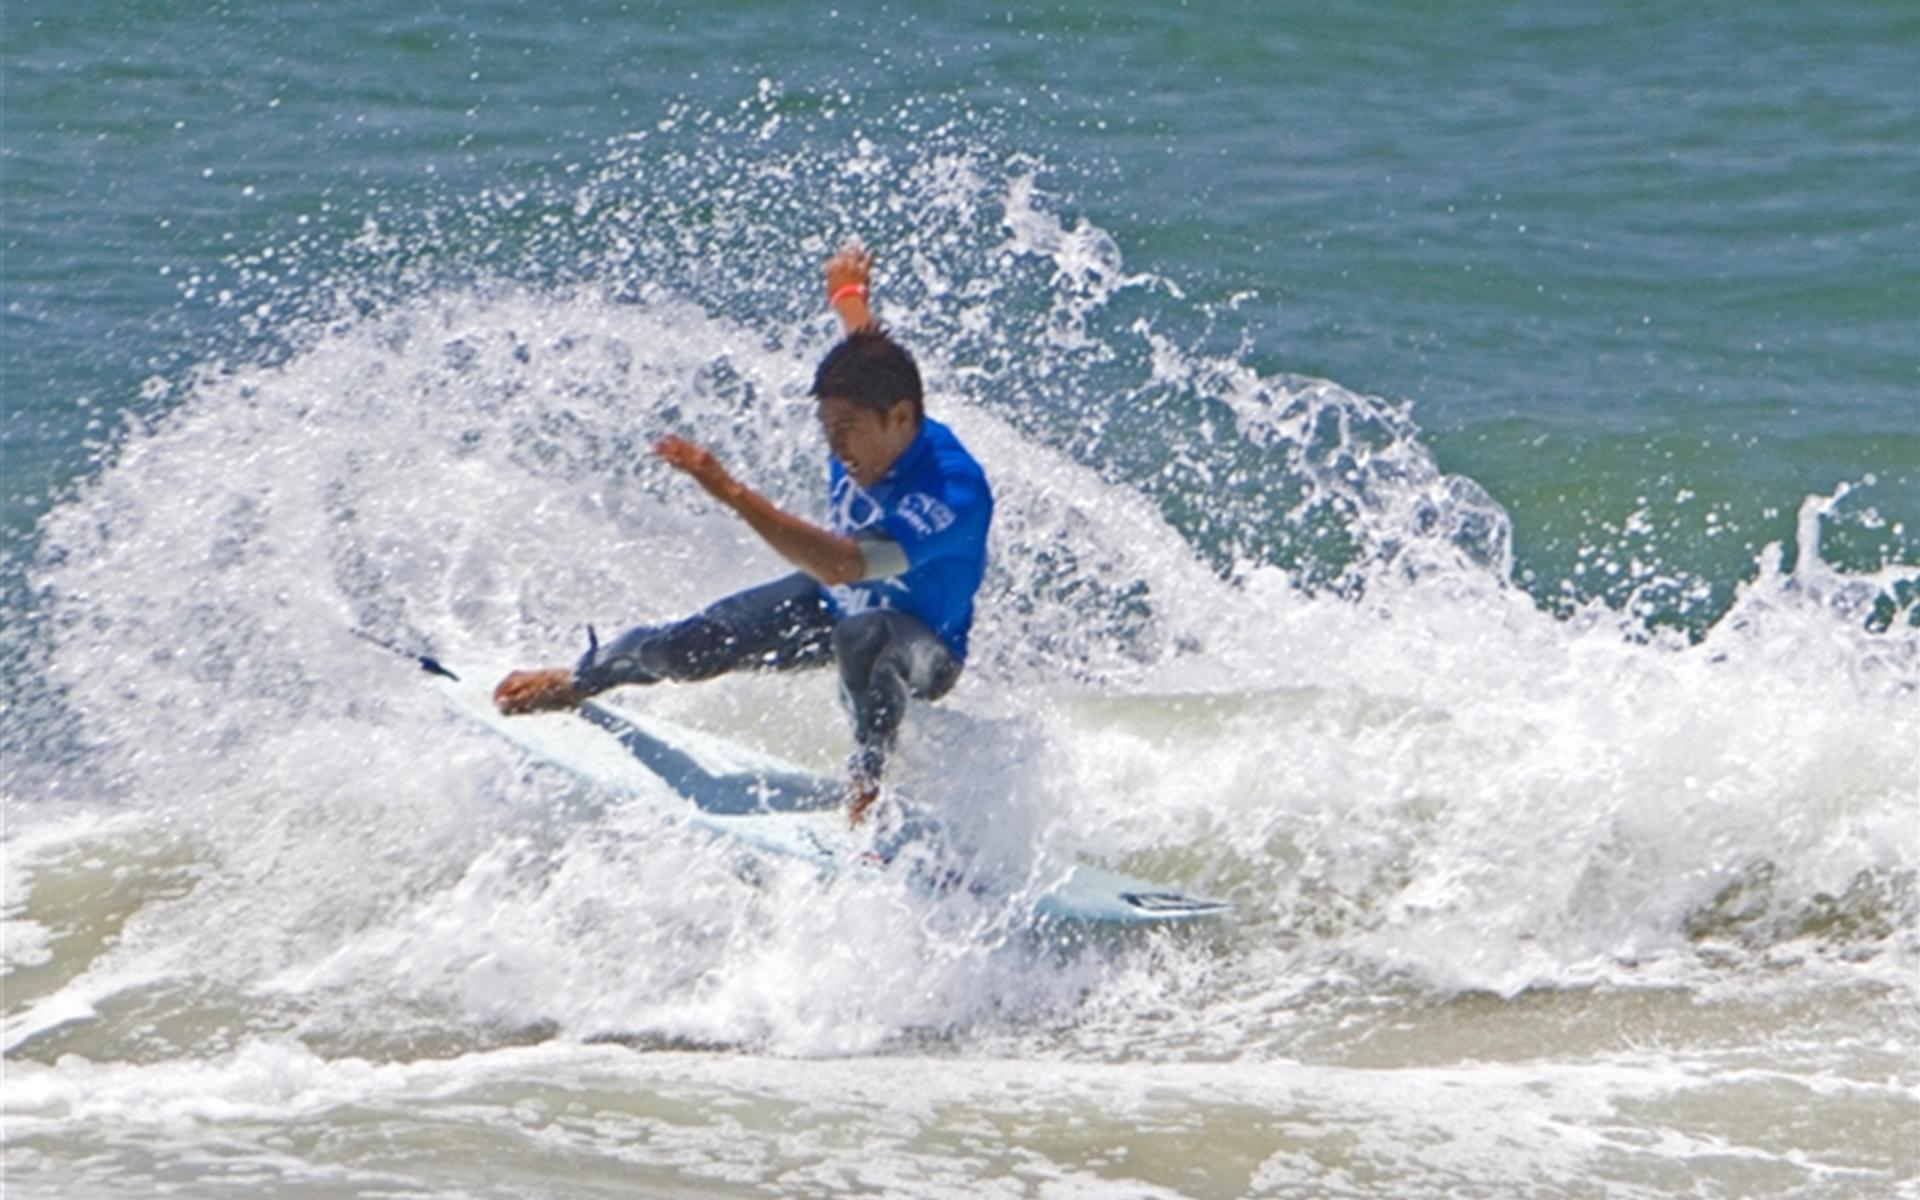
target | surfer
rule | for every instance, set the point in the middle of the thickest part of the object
(884, 590)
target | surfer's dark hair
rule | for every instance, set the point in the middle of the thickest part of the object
(871, 370)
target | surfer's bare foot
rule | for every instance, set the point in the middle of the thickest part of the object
(860, 798)
(541, 690)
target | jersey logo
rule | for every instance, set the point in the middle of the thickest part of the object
(850, 509)
(870, 596)
(925, 513)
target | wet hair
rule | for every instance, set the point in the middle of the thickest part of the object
(871, 370)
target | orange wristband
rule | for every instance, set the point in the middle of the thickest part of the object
(844, 290)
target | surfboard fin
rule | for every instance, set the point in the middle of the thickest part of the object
(427, 662)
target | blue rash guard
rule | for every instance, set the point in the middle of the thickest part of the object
(935, 504)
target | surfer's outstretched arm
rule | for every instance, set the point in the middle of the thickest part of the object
(829, 557)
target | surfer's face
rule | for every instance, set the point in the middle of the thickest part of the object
(865, 441)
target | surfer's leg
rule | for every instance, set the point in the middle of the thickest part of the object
(776, 626)
(885, 658)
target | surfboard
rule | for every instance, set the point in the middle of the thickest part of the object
(769, 806)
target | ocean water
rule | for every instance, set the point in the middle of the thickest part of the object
(1459, 499)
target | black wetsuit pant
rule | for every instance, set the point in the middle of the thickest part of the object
(884, 657)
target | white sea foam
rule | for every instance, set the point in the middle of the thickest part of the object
(1430, 776)
(1071, 1129)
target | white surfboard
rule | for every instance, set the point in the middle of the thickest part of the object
(773, 807)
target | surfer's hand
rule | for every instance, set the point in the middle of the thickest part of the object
(696, 461)
(848, 274)
(851, 264)
(541, 690)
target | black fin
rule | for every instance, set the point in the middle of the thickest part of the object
(432, 667)
(427, 663)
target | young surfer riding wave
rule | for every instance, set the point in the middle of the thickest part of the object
(884, 589)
